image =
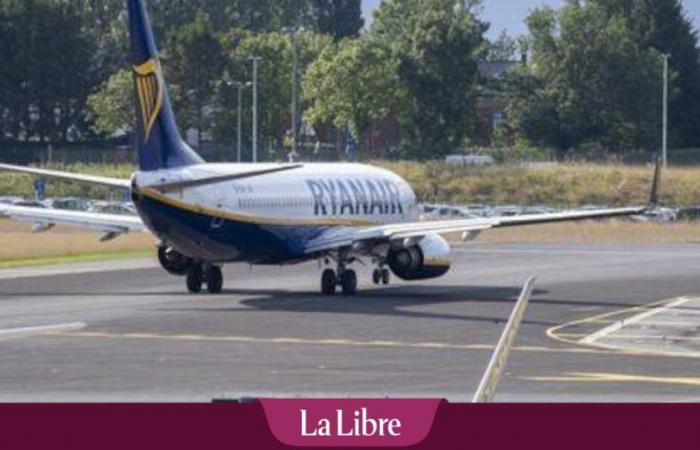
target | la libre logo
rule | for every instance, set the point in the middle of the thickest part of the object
(357, 424)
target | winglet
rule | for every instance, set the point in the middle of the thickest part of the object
(656, 184)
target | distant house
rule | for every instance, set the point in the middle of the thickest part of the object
(490, 107)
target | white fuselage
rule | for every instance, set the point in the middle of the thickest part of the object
(270, 218)
(313, 194)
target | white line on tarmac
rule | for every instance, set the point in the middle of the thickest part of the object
(30, 331)
(590, 339)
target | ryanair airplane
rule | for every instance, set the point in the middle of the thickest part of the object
(206, 215)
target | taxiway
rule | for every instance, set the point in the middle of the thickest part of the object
(128, 332)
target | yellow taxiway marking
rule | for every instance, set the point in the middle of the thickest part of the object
(307, 341)
(615, 378)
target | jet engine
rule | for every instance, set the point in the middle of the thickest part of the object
(429, 258)
(174, 262)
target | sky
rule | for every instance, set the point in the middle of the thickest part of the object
(510, 14)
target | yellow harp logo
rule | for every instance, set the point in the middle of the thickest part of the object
(149, 88)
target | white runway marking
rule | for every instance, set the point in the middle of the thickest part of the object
(590, 339)
(31, 331)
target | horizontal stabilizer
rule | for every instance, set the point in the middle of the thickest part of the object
(115, 183)
(180, 185)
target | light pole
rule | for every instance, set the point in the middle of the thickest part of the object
(239, 87)
(666, 56)
(256, 60)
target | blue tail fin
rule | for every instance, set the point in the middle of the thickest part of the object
(159, 143)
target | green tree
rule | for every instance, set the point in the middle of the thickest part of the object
(111, 109)
(664, 25)
(590, 84)
(353, 85)
(338, 18)
(274, 84)
(46, 73)
(504, 48)
(195, 63)
(435, 43)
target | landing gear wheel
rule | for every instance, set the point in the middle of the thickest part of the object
(174, 262)
(328, 282)
(194, 280)
(348, 281)
(215, 280)
(386, 276)
(377, 276)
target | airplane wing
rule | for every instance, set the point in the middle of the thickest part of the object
(116, 183)
(361, 237)
(111, 225)
(354, 237)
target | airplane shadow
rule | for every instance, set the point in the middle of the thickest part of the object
(391, 301)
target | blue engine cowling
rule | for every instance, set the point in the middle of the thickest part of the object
(429, 258)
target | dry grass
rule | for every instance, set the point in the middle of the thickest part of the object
(555, 185)
(18, 242)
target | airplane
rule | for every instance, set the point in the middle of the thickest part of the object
(209, 214)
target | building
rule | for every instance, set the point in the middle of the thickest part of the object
(490, 107)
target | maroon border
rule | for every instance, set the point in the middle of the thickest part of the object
(456, 426)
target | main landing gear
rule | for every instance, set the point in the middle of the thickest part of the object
(381, 275)
(343, 277)
(208, 274)
(346, 278)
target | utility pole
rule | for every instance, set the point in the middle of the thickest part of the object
(666, 56)
(256, 60)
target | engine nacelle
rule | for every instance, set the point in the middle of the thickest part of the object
(174, 262)
(430, 258)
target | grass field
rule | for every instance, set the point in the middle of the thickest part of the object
(567, 185)
(19, 246)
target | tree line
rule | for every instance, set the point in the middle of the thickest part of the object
(591, 81)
